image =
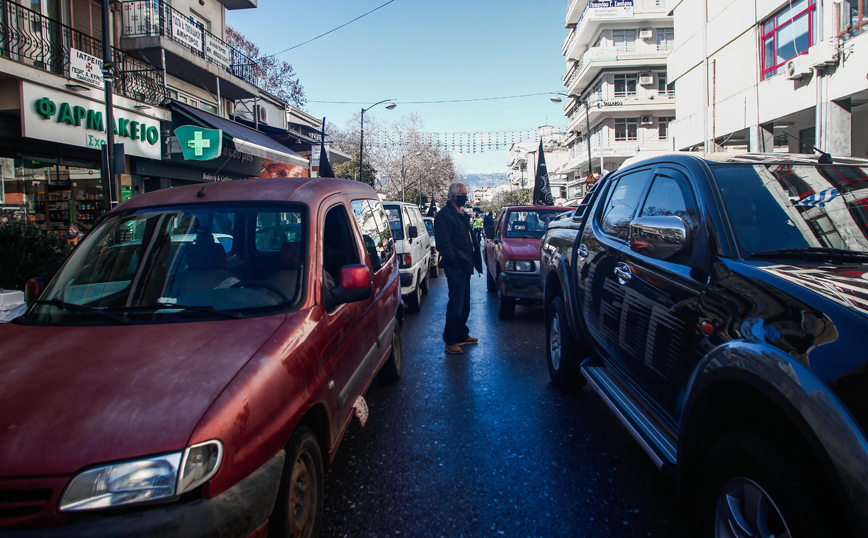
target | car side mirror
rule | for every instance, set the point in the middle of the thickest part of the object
(413, 232)
(355, 284)
(659, 237)
(489, 231)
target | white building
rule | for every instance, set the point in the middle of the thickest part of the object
(616, 78)
(523, 159)
(747, 71)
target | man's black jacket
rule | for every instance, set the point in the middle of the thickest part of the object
(455, 241)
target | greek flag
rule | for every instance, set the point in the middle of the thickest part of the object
(818, 199)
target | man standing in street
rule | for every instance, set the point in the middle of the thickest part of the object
(460, 255)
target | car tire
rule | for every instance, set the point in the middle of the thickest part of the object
(505, 305)
(393, 368)
(561, 351)
(491, 284)
(298, 510)
(423, 284)
(414, 300)
(787, 498)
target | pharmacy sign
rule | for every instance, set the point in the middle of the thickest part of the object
(199, 143)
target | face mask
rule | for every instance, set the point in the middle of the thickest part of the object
(461, 199)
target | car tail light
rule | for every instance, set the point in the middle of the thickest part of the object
(408, 260)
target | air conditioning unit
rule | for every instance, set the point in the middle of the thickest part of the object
(646, 79)
(823, 53)
(646, 120)
(797, 68)
(645, 33)
(263, 114)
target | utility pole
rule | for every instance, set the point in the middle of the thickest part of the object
(108, 74)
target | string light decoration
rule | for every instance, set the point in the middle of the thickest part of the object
(455, 142)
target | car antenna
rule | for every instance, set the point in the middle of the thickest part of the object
(825, 158)
(201, 192)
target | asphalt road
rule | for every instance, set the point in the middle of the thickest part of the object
(482, 444)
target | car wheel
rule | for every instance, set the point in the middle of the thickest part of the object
(414, 300)
(751, 488)
(424, 284)
(490, 282)
(505, 305)
(298, 509)
(563, 361)
(393, 368)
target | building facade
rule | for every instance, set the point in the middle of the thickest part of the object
(524, 159)
(768, 75)
(619, 98)
(171, 66)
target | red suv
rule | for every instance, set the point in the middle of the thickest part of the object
(512, 255)
(262, 311)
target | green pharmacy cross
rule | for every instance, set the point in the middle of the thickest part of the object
(198, 143)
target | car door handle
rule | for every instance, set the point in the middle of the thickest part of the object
(583, 252)
(623, 272)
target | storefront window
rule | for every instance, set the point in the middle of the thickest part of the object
(51, 195)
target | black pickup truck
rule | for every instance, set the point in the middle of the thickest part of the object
(718, 303)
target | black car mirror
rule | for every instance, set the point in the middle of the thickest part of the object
(659, 237)
(412, 232)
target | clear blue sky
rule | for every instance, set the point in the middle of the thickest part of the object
(422, 50)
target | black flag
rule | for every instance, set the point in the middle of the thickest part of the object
(432, 209)
(542, 193)
(325, 168)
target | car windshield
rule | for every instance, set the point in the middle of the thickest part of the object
(530, 222)
(181, 262)
(802, 211)
(395, 225)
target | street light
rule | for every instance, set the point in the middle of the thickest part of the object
(390, 106)
(579, 99)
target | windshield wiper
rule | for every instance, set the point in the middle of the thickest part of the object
(174, 306)
(81, 308)
(813, 252)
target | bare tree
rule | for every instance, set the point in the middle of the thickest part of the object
(273, 75)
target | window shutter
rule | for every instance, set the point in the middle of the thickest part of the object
(96, 19)
(81, 15)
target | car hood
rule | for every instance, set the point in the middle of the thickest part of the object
(844, 285)
(77, 396)
(523, 248)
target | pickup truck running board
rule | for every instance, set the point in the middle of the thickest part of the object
(654, 440)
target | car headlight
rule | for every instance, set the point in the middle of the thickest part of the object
(143, 480)
(519, 265)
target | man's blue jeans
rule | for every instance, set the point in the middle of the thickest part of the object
(458, 307)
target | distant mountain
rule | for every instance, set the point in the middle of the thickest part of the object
(474, 181)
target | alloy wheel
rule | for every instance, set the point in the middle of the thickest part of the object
(745, 509)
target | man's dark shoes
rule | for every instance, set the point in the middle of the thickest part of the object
(454, 349)
(468, 341)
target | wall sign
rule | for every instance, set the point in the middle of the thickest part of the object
(217, 52)
(199, 143)
(85, 68)
(55, 116)
(610, 9)
(186, 31)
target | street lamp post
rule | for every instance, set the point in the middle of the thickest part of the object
(579, 99)
(390, 106)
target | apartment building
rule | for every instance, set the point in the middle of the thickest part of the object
(171, 67)
(524, 159)
(619, 99)
(770, 75)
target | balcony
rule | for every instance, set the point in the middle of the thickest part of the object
(30, 38)
(642, 102)
(597, 59)
(640, 13)
(191, 52)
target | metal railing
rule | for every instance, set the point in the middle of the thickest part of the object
(30, 38)
(142, 18)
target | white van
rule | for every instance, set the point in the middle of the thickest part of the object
(413, 246)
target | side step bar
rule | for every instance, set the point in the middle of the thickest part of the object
(657, 442)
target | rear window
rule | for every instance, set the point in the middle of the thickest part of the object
(396, 224)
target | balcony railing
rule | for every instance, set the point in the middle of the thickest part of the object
(144, 18)
(30, 38)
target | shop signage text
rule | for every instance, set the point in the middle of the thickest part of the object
(55, 116)
(186, 31)
(217, 52)
(85, 68)
(601, 104)
(610, 9)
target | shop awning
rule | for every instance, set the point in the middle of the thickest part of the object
(246, 140)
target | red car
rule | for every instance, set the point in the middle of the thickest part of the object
(512, 255)
(262, 311)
